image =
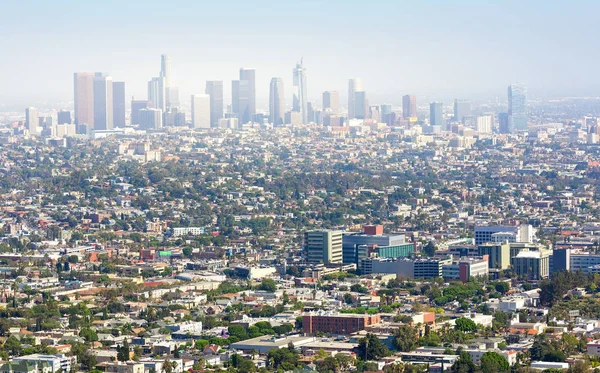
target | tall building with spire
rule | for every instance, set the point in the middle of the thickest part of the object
(276, 102)
(247, 95)
(214, 88)
(300, 99)
(353, 86)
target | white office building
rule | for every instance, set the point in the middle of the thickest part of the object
(200, 111)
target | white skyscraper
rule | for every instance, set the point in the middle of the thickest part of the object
(165, 69)
(103, 102)
(353, 86)
(156, 93)
(31, 120)
(300, 99)
(200, 111)
(484, 124)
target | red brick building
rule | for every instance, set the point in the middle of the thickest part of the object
(343, 323)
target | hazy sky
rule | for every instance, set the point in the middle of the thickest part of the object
(434, 49)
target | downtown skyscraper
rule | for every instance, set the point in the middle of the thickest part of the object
(214, 88)
(200, 111)
(331, 101)
(84, 99)
(300, 99)
(247, 95)
(462, 109)
(119, 104)
(103, 102)
(276, 102)
(353, 86)
(436, 114)
(517, 107)
(409, 106)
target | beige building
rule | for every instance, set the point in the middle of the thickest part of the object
(323, 246)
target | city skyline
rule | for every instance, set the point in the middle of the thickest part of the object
(522, 41)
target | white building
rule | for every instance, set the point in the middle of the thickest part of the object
(58, 363)
(200, 111)
(484, 124)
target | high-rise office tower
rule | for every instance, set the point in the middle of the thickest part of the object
(136, 106)
(409, 106)
(165, 69)
(200, 111)
(276, 102)
(353, 86)
(483, 124)
(374, 113)
(103, 102)
(172, 94)
(156, 92)
(300, 99)
(517, 107)
(235, 97)
(331, 101)
(360, 105)
(436, 114)
(323, 246)
(64, 117)
(214, 88)
(150, 118)
(247, 95)
(84, 99)
(31, 120)
(504, 123)
(384, 112)
(118, 104)
(462, 109)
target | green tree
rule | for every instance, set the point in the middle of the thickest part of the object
(405, 338)
(493, 362)
(465, 325)
(464, 364)
(268, 284)
(371, 348)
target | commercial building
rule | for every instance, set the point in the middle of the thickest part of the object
(299, 103)
(484, 234)
(533, 265)
(64, 117)
(136, 106)
(409, 106)
(103, 102)
(331, 101)
(466, 269)
(276, 102)
(405, 267)
(504, 123)
(200, 111)
(517, 107)
(31, 120)
(360, 105)
(214, 89)
(84, 99)
(118, 105)
(150, 119)
(337, 323)
(436, 114)
(156, 93)
(483, 124)
(323, 246)
(57, 363)
(498, 254)
(583, 261)
(246, 95)
(352, 241)
(462, 109)
(353, 86)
